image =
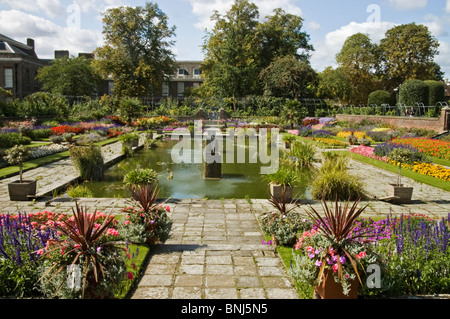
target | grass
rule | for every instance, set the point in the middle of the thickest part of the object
(429, 180)
(12, 170)
(140, 262)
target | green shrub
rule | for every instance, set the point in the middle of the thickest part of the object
(302, 154)
(8, 140)
(414, 91)
(42, 103)
(141, 176)
(129, 108)
(334, 180)
(89, 161)
(379, 98)
(436, 92)
(79, 191)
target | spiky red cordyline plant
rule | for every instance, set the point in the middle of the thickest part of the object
(145, 195)
(337, 226)
(84, 234)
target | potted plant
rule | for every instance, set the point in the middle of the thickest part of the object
(281, 183)
(149, 222)
(129, 141)
(334, 254)
(288, 139)
(284, 224)
(402, 194)
(20, 190)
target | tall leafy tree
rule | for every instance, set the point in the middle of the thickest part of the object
(137, 53)
(334, 84)
(408, 53)
(359, 59)
(288, 77)
(69, 76)
(230, 57)
(240, 46)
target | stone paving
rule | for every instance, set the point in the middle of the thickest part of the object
(214, 250)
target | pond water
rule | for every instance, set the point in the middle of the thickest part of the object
(239, 180)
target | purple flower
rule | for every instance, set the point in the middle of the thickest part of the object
(318, 263)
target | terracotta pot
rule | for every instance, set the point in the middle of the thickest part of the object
(329, 289)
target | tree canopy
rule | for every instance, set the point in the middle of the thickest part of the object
(239, 47)
(137, 53)
(69, 76)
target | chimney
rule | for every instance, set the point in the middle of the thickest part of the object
(30, 43)
(61, 54)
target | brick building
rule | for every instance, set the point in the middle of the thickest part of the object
(19, 65)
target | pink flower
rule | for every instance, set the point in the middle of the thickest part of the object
(113, 232)
(335, 267)
(168, 208)
(40, 252)
(310, 249)
(318, 263)
(361, 255)
(126, 222)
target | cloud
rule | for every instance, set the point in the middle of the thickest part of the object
(408, 4)
(204, 9)
(47, 35)
(326, 50)
(313, 25)
(52, 8)
(447, 8)
(437, 26)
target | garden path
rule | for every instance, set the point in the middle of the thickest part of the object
(215, 248)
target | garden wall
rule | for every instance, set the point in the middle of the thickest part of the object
(440, 124)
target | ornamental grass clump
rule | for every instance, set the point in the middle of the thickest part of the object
(89, 161)
(333, 179)
(301, 155)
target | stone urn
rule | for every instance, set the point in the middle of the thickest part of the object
(276, 190)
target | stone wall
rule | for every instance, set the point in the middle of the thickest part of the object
(439, 125)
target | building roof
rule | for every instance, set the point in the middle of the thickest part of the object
(11, 46)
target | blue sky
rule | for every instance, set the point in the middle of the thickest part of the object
(75, 25)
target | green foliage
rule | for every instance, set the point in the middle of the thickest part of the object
(89, 161)
(379, 98)
(139, 64)
(239, 47)
(333, 180)
(289, 78)
(301, 154)
(436, 92)
(335, 84)
(79, 191)
(285, 176)
(359, 47)
(141, 176)
(292, 113)
(413, 91)
(129, 109)
(69, 76)
(11, 139)
(42, 103)
(409, 51)
(284, 227)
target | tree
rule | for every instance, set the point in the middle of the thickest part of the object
(334, 84)
(137, 51)
(289, 78)
(69, 76)
(230, 56)
(358, 58)
(281, 35)
(240, 47)
(408, 53)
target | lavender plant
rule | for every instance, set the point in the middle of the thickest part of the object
(20, 245)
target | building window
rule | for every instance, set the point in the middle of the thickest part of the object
(165, 89)
(181, 72)
(180, 88)
(197, 72)
(8, 78)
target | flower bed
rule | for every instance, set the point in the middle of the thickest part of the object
(436, 148)
(330, 141)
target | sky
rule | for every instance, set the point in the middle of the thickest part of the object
(76, 25)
